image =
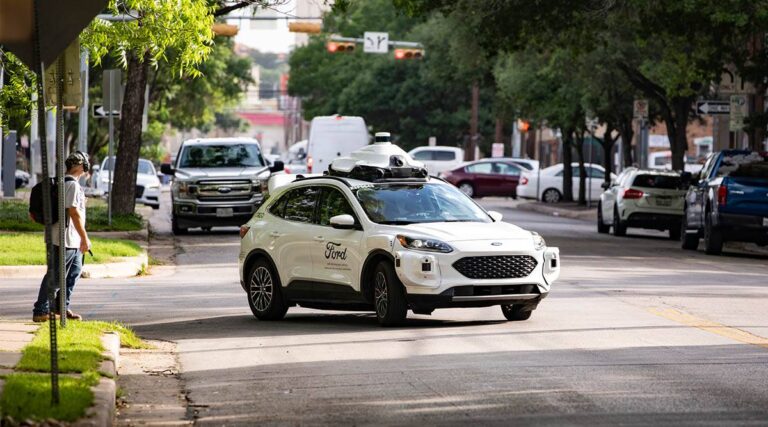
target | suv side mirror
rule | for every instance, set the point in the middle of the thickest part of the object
(277, 166)
(495, 216)
(606, 185)
(167, 169)
(343, 222)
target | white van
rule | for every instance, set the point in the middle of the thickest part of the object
(438, 158)
(331, 137)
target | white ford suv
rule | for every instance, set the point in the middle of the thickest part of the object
(376, 234)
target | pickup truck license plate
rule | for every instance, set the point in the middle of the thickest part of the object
(223, 212)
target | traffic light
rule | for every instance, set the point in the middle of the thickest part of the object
(305, 27)
(340, 47)
(409, 53)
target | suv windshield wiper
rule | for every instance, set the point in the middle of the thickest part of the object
(396, 222)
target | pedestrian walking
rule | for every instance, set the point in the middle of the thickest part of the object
(76, 241)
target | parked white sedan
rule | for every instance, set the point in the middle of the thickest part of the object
(547, 184)
(147, 182)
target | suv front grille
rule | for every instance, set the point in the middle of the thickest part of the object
(139, 191)
(225, 190)
(496, 267)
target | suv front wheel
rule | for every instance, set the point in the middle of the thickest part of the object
(388, 295)
(175, 226)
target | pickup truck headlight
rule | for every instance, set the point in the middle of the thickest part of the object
(429, 245)
(184, 190)
(538, 241)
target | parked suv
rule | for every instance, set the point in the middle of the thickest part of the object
(728, 201)
(642, 198)
(216, 182)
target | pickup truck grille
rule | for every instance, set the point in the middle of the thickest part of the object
(225, 190)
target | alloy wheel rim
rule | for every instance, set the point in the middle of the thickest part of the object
(380, 294)
(261, 289)
(466, 189)
(550, 196)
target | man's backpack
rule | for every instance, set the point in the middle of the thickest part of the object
(36, 211)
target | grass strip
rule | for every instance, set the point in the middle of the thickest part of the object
(14, 216)
(29, 249)
(79, 346)
(28, 396)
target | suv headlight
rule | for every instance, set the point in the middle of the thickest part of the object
(184, 190)
(429, 245)
(538, 241)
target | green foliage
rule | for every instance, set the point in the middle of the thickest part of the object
(14, 216)
(28, 397)
(412, 99)
(16, 94)
(29, 249)
(176, 32)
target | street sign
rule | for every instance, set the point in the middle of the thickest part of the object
(640, 110)
(112, 88)
(713, 107)
(739, 110)
(99, 112)
(374, 42)
(497, 149)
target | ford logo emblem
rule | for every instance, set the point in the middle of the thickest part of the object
(225, 190)
(496, 244)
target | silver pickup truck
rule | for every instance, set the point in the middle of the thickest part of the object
(216, 182)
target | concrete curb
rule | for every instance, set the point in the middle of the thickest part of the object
(102, 413)
(125, 267)
(583, 215)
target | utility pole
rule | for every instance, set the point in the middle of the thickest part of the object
(82, 139)
(469, 155)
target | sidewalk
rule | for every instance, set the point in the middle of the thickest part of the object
(564, 209)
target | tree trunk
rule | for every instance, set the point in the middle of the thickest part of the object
(676, 130)
(582, 168)
(627, 133)
(499, 134)
(567, 171)
(127, 156)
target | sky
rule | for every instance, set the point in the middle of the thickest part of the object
(270, 36)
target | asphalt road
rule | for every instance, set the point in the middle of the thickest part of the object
(635, 332)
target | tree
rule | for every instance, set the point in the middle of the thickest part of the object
(16, 95)
(176, 32)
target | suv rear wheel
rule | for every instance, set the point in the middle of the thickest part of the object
(265, 295)
(602, 228)
(713, 237)
(689, 241)
(388, 295)
(619, 227)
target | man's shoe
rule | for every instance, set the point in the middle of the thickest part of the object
(70, 315)
(38, 318)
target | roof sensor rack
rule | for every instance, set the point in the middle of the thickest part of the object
(379, 161)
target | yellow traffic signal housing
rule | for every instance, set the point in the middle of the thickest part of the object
(340, 47)
(226, 30)
(305, 27)
(409, 53)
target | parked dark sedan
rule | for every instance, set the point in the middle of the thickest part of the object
(486, 177)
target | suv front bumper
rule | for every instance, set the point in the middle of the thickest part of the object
(193, 213)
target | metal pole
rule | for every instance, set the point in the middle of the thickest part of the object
(82, 140)
(60, 156)
(2, 72)
(111, 162)
(34, 141)
(47, 208)
(589, 174)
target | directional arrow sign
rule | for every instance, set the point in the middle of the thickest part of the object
(713, 107)
(98, 111)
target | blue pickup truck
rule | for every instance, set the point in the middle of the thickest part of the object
(728, 201)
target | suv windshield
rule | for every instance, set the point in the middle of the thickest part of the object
(666, 182)
(221, 156)
(418, 203)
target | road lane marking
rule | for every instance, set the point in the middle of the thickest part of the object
(710, 326)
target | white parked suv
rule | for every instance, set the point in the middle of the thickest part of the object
(643, 198)
(438, 159)
(377, 234)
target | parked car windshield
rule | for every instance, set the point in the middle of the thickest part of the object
(145, 167)
(418, 203)
(657, 181)
(221, 156)
(752, 165)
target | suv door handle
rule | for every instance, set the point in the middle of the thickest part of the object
(319, 238)
(275, 234)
